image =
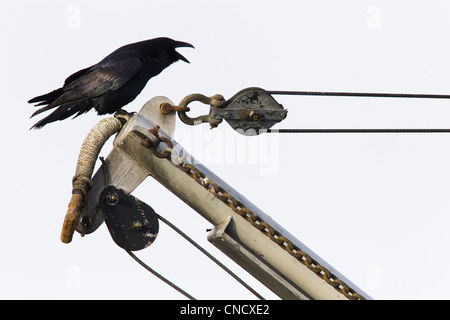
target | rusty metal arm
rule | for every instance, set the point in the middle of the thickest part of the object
(132, 160)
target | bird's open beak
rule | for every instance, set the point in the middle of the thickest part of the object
(180, 44)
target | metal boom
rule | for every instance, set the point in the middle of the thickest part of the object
(240, 229)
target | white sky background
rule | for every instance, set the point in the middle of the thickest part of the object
(375, 207)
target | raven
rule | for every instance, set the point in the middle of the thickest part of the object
(112, 83)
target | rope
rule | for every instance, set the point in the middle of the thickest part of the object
(160, 276)
(90, 150)
(185, 236)
(81, 182)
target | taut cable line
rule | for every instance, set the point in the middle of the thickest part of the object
(359, 94)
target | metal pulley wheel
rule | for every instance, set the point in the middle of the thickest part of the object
(132, 223)
(250, 112)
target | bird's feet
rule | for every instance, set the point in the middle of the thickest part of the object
(122, 112)
(123, 115)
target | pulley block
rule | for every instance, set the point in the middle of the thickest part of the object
(132, 223)
(250, 111)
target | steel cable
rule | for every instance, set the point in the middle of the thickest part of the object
(358, 130)
(359, 94)
(159, 275)
(185, 236)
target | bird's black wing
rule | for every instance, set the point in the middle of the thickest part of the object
(108, 75)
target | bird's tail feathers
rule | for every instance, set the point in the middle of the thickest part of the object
(63, 112)
(42, 110)
(47, 98)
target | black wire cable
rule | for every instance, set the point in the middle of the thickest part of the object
(360, 94)
(358, 130)
(142, 263)
(185, 236)
(159, 275)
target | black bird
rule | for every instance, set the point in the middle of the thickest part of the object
(112, 83)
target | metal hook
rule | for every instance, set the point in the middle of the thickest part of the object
(214, 101)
